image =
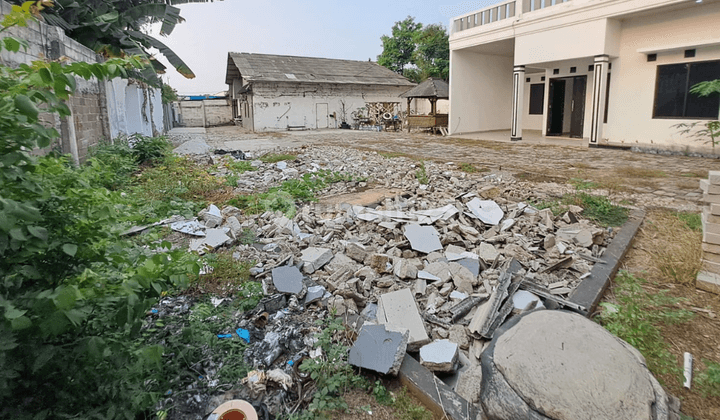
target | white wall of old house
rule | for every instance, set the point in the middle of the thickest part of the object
(279, 105)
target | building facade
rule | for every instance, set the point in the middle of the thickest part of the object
(274, 92)
(610, 71)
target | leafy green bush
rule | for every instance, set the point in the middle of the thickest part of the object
(150, 150)
(112, 164)
(72, 295)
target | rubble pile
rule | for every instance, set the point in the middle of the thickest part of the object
(433, 271)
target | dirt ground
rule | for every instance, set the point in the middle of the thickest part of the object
(655, 183)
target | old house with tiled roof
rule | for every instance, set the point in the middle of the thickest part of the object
(276, 92)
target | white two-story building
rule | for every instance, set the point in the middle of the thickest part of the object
(610, 71)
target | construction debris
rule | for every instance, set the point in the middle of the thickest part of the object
(436, 269)
(379, 349)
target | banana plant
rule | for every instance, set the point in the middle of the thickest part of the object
(115, 28)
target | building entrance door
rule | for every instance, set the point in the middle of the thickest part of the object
(321, 115)
(566, 106)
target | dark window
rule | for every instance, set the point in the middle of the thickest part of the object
(652, 57)
(573, 69)
(556, 71)
(689, 53)
(609, 66)
(672, 92)
(542, 79)
(591, 67)
(537, 97)
(527, 80)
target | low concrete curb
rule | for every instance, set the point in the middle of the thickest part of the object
(434, 393)
(590, 291)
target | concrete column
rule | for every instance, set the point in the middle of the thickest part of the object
(72, 136)
(600, 75)
(518, 93)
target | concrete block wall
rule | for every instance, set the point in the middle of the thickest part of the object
(205, 113)
(709, 276)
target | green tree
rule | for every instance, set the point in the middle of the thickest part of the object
(114, 28)
(169, 95)
(398, 49)
(415, 51)
(432, 52)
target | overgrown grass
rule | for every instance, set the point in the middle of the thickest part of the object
(332, 374)
(239, 166)
(471, 169)
(635, 316)
(597, 208)
(708, 380)
(421, 174)
(677, 260)
(408, 410)
(284, 196)
(276, 157)
(226, 276)
(176, 186)
(581, 184)
(635, 172)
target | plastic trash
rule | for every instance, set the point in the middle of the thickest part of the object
(244, 334)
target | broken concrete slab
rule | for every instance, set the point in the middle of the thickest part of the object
(404, 269)
(423, 239)
(214, 238)
(487, 252)
(439, 356)
(462, 278)
(486, 211)
(287, 279)
(598, 376)
(315, 258)
(469, 384)
(212, 216)
(399, 310)
(189, 227)
(379, 348)
(472, 264)
(439, 269)
(314, 293)
(422, 274)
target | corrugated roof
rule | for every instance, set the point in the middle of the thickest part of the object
(284, 68)
(430, 88)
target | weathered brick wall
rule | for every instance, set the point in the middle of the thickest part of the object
(89, 102)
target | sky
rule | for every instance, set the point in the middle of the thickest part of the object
(319, 28)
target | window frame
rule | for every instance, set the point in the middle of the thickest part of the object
(687, 93)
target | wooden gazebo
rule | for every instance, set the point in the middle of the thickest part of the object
(432, 90)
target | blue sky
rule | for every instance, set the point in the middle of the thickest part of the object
(320, 28)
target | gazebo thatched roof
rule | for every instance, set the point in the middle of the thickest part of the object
(430, 88)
